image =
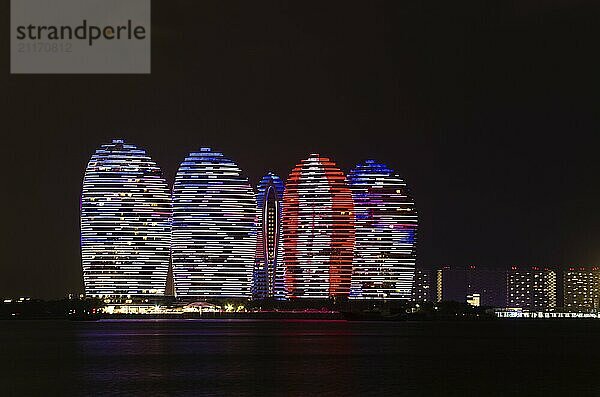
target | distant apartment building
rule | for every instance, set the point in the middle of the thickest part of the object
(424, 287)
(581, 288)
(531, 288)
(476, 286)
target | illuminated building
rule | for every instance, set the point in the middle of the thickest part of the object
(531, 288)
(214, 237)
(471, 284)
(581, 288)
(386, 226)
(268, 267)
(474, 299)
(423, 286)
(318, 230)
(125, 223)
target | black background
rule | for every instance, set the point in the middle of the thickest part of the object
(489, 110)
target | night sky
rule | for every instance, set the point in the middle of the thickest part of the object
(490, 113)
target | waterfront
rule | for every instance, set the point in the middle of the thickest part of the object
(299, 358)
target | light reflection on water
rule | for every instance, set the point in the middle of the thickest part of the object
(298, 358)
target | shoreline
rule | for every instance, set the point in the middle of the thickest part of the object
(300, 316)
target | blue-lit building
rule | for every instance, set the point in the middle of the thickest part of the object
(268, 280)
(386, 228)
(125, 223)
(214, 228)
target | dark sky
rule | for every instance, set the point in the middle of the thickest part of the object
(490, 113)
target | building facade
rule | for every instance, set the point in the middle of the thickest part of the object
(318, 230)
(581, 288)
(386, 231)
(214, 235)
(268, 278)
(533, 288)
(125, 223)
(424, 286)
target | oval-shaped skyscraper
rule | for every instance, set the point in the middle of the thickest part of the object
(268, 267)
(318, 230)
(214, 236)
(125, 223)
(386, 226)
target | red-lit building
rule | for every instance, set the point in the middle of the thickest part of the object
(318, 230)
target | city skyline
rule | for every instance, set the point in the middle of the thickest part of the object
(300, 198)
(500, 157)
(320, 234)
(249, 293)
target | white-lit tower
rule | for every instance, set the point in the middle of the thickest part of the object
(125, 223)
(214, 235)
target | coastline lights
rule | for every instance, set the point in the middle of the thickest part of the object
(318, 230)
(268, 267)
(125, 223)
(386, 226)
(213, 239)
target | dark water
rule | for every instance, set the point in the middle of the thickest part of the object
(299, 358)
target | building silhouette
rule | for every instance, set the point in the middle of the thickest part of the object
(472, 284)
